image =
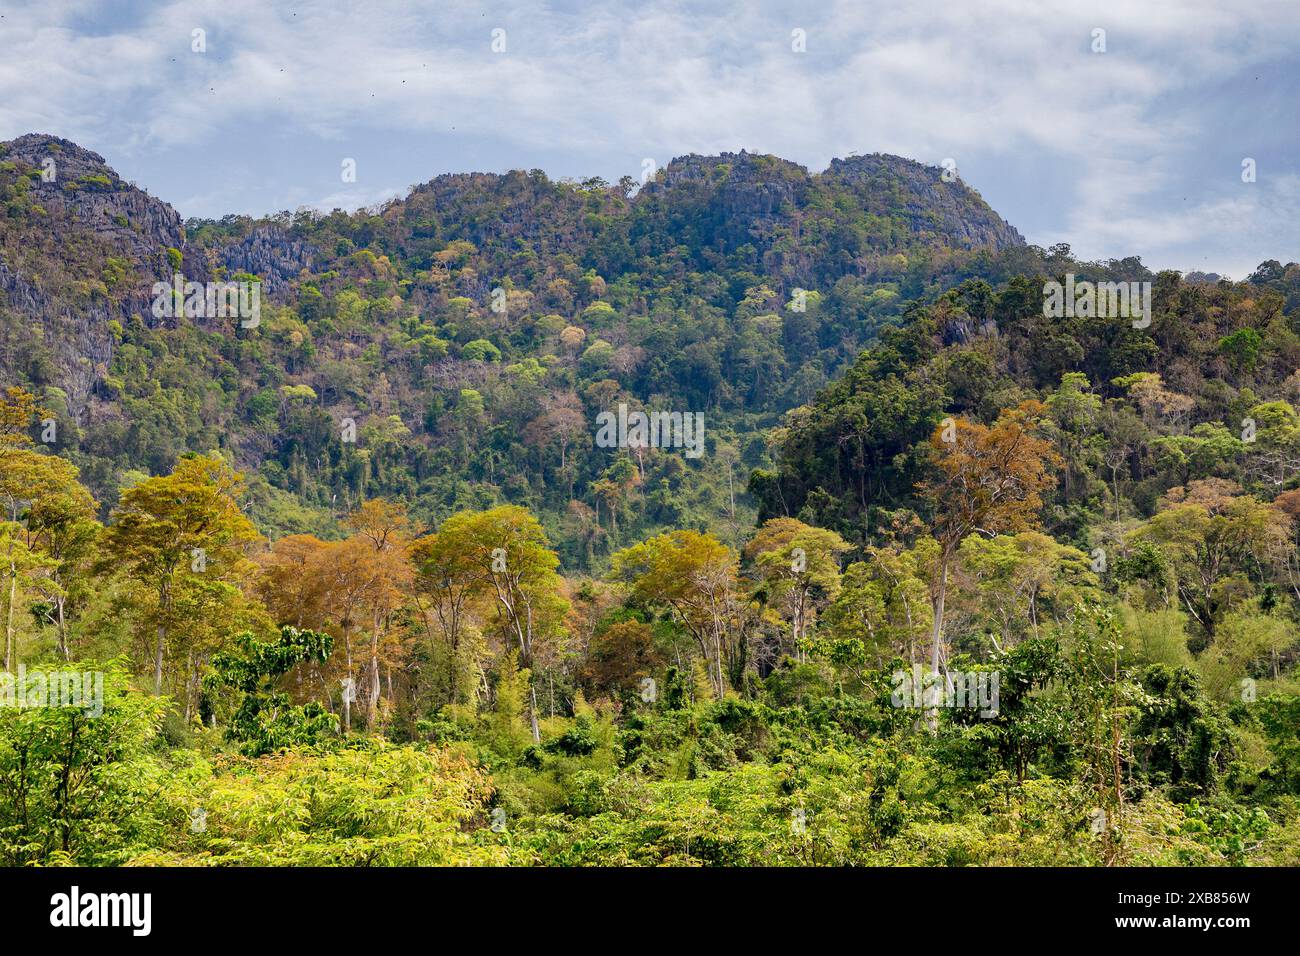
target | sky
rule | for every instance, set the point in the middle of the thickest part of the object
(1128, 141)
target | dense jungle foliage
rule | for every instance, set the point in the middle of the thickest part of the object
(465, 633)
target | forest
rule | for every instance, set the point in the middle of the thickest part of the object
(952, 582)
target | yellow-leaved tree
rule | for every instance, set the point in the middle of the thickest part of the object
(181, 539)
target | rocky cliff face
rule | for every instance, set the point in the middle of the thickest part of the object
(81, 248)
(769, 209)
(21, 295)
(918, 195)
(270, 253)
(729, 200)
(82, 189)
(79, 241)
(74, 197)
(871, 207)
(745, 186)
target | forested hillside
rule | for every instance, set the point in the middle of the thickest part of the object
(951, 582)
(684, 296)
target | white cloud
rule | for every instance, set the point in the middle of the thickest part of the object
(993, 83)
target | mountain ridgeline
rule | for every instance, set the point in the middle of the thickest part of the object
(473, 330)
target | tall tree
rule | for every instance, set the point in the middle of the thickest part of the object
(170, 527)
(449, 579)
(517, 568)
(801, 566)
(50, 513)
(884, 603)
(696, 577)
(990, 480)
(384, 528)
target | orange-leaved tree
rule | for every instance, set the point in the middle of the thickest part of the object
(990, 480)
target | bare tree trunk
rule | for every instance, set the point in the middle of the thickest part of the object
(189, 685)
(937, 634)
(940, 597)
(9, 618)
(158, 660)
(349, 691)
(62, 624)
(1113, 848)
(452, 665)
(372, 700)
